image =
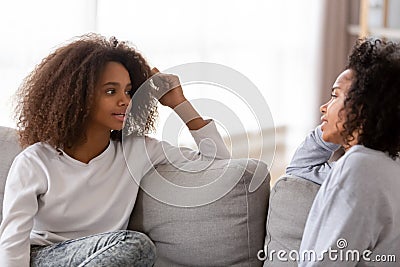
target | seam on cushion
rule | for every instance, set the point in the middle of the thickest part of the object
(247, 221)
(267, 232)
(295, 179)
(280, 180)
(208, 169)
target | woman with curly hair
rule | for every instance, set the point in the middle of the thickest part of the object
(69, 193)
(357, 207)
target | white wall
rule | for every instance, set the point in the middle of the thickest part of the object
(273, 43)
(29, 30)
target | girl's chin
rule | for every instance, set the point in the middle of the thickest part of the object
(326, 139)
(117, 128)
(330, 139)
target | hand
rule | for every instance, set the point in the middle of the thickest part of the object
(169, 88)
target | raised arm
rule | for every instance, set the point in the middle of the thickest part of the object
(310, 161)
(204, 132)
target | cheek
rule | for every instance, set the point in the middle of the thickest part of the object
(341, 111)
(101, 104)
(341, 115)
(335, 110)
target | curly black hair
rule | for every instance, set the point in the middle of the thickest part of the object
(372, 105)
(54, 101)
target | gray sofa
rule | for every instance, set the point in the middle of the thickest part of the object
(227, 232)
(290, 202)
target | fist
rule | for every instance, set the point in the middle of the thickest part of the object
(169, 88)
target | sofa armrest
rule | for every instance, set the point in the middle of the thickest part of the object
(228, 231)
(9, 148)
(290, 201)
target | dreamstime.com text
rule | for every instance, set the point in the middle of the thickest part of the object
(335, 255)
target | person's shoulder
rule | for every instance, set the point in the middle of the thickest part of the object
(366, 158)
(132, 142)
(364, 167)
(39, 147)
(40, 150)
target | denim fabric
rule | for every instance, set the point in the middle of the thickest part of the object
(120, 248)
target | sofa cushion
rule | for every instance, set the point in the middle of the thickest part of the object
(226, 232)
(290, 202)
(9, 148)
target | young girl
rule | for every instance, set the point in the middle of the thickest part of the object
(69, 194)
(357, 209)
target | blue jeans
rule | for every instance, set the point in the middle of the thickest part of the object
(114, 249)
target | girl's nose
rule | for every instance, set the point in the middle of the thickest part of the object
(323, 108)
(123, 102)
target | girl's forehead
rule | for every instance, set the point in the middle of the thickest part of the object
(113, 73)
(113, 68)
(344, 80)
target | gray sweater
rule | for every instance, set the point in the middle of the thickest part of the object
(355, 217)
(310, 161)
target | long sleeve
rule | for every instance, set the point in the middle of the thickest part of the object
(209, 141)
(23, 186)
(310, 161)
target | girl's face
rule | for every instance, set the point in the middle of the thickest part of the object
(111, 97)
(333, 116)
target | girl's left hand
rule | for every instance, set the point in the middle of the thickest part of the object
(170, 88)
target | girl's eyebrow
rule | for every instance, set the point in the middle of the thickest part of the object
(111, 83)
(115, 84)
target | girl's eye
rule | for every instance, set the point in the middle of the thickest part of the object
(110, 91)
(333, 95)
(128, 92)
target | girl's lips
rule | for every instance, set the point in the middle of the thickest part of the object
(119, 117)
(324, 122)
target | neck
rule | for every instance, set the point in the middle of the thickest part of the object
(353, 142)
(85, 151)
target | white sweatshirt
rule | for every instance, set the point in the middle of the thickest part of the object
(51, 197)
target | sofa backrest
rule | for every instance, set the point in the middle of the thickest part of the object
(290, 202)
(9, 148)
(226, 232)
